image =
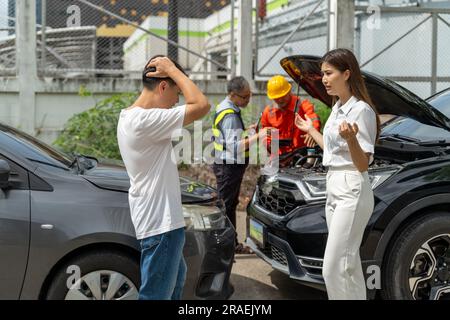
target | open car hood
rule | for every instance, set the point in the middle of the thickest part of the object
(388, 96)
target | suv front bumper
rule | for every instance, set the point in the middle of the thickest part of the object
(279, 254)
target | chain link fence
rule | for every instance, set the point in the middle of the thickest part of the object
(117, 37)
(408, 45)
(285, 28)
(405, 43)
(7, 37)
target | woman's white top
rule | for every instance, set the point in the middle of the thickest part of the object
(336, 152)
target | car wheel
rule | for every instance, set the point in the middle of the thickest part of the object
(418, 264)
(106, 275)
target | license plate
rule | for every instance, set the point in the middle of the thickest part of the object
(257, 232)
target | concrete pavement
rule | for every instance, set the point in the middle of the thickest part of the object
(254, 279)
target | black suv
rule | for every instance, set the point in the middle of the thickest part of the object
(406, 246)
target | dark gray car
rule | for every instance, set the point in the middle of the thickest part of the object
(66, 232)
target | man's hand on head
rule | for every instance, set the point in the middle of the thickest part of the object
(163, 68)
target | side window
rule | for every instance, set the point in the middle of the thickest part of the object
(18, 177)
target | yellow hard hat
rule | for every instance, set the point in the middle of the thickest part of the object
(278, 87)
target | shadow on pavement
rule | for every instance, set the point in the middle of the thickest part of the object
(274, 286)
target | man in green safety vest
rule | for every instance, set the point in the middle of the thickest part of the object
(231, 146)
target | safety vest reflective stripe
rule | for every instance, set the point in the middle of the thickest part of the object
(216, 132)
(219, 117)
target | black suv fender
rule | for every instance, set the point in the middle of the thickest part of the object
(403, 217)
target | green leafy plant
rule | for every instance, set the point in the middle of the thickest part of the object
(322, 111)
(94, 132)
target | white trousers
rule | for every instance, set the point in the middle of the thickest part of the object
(348, 209)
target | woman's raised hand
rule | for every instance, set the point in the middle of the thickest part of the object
(304, 125)
(348, 131)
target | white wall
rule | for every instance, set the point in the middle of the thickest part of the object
(141, 46)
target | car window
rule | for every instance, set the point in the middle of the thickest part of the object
(18, 176)
(415, 129)
(32, 149)
(441, 101)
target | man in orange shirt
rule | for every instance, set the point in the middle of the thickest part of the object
(280, 115)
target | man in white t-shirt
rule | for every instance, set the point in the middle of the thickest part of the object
(144, 134)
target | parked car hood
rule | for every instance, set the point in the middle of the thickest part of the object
(388, 96)
(110, 175)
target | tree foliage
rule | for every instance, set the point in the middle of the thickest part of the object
(94, 132)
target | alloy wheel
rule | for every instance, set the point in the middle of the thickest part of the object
(429, 273)
(103, 285)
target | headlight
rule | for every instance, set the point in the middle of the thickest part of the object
(204, 217)
(378, 177)
(314, 187)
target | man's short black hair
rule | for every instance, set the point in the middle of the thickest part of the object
(151, 82)
(237, 84)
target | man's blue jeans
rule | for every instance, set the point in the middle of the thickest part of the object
(163, 269)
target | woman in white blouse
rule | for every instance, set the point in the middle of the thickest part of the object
(348, 143)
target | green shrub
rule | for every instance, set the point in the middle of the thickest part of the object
(322, 110)
(94, 132)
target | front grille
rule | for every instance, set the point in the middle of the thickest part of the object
(276, 254)
(279, 256)
(279, 200)
(311, 266)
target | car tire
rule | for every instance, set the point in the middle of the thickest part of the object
(104, 271)
(399, 274)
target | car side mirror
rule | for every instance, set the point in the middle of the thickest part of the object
(5, 170)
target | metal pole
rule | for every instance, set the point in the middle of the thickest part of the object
(328, 24)
(357, 48)
(257, 37)
(26, 65)
(302, 22)
(434, 53)
(43, 36)
(245, 46)
(345, 24)
(151, 33)
(232, 49)
(332, 24)
(94, 53)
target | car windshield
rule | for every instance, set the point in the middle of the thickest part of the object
(416, 130)
(35, 150)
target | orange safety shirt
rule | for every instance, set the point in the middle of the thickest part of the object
(283, 120)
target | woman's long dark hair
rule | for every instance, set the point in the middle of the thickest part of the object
(344, 59)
